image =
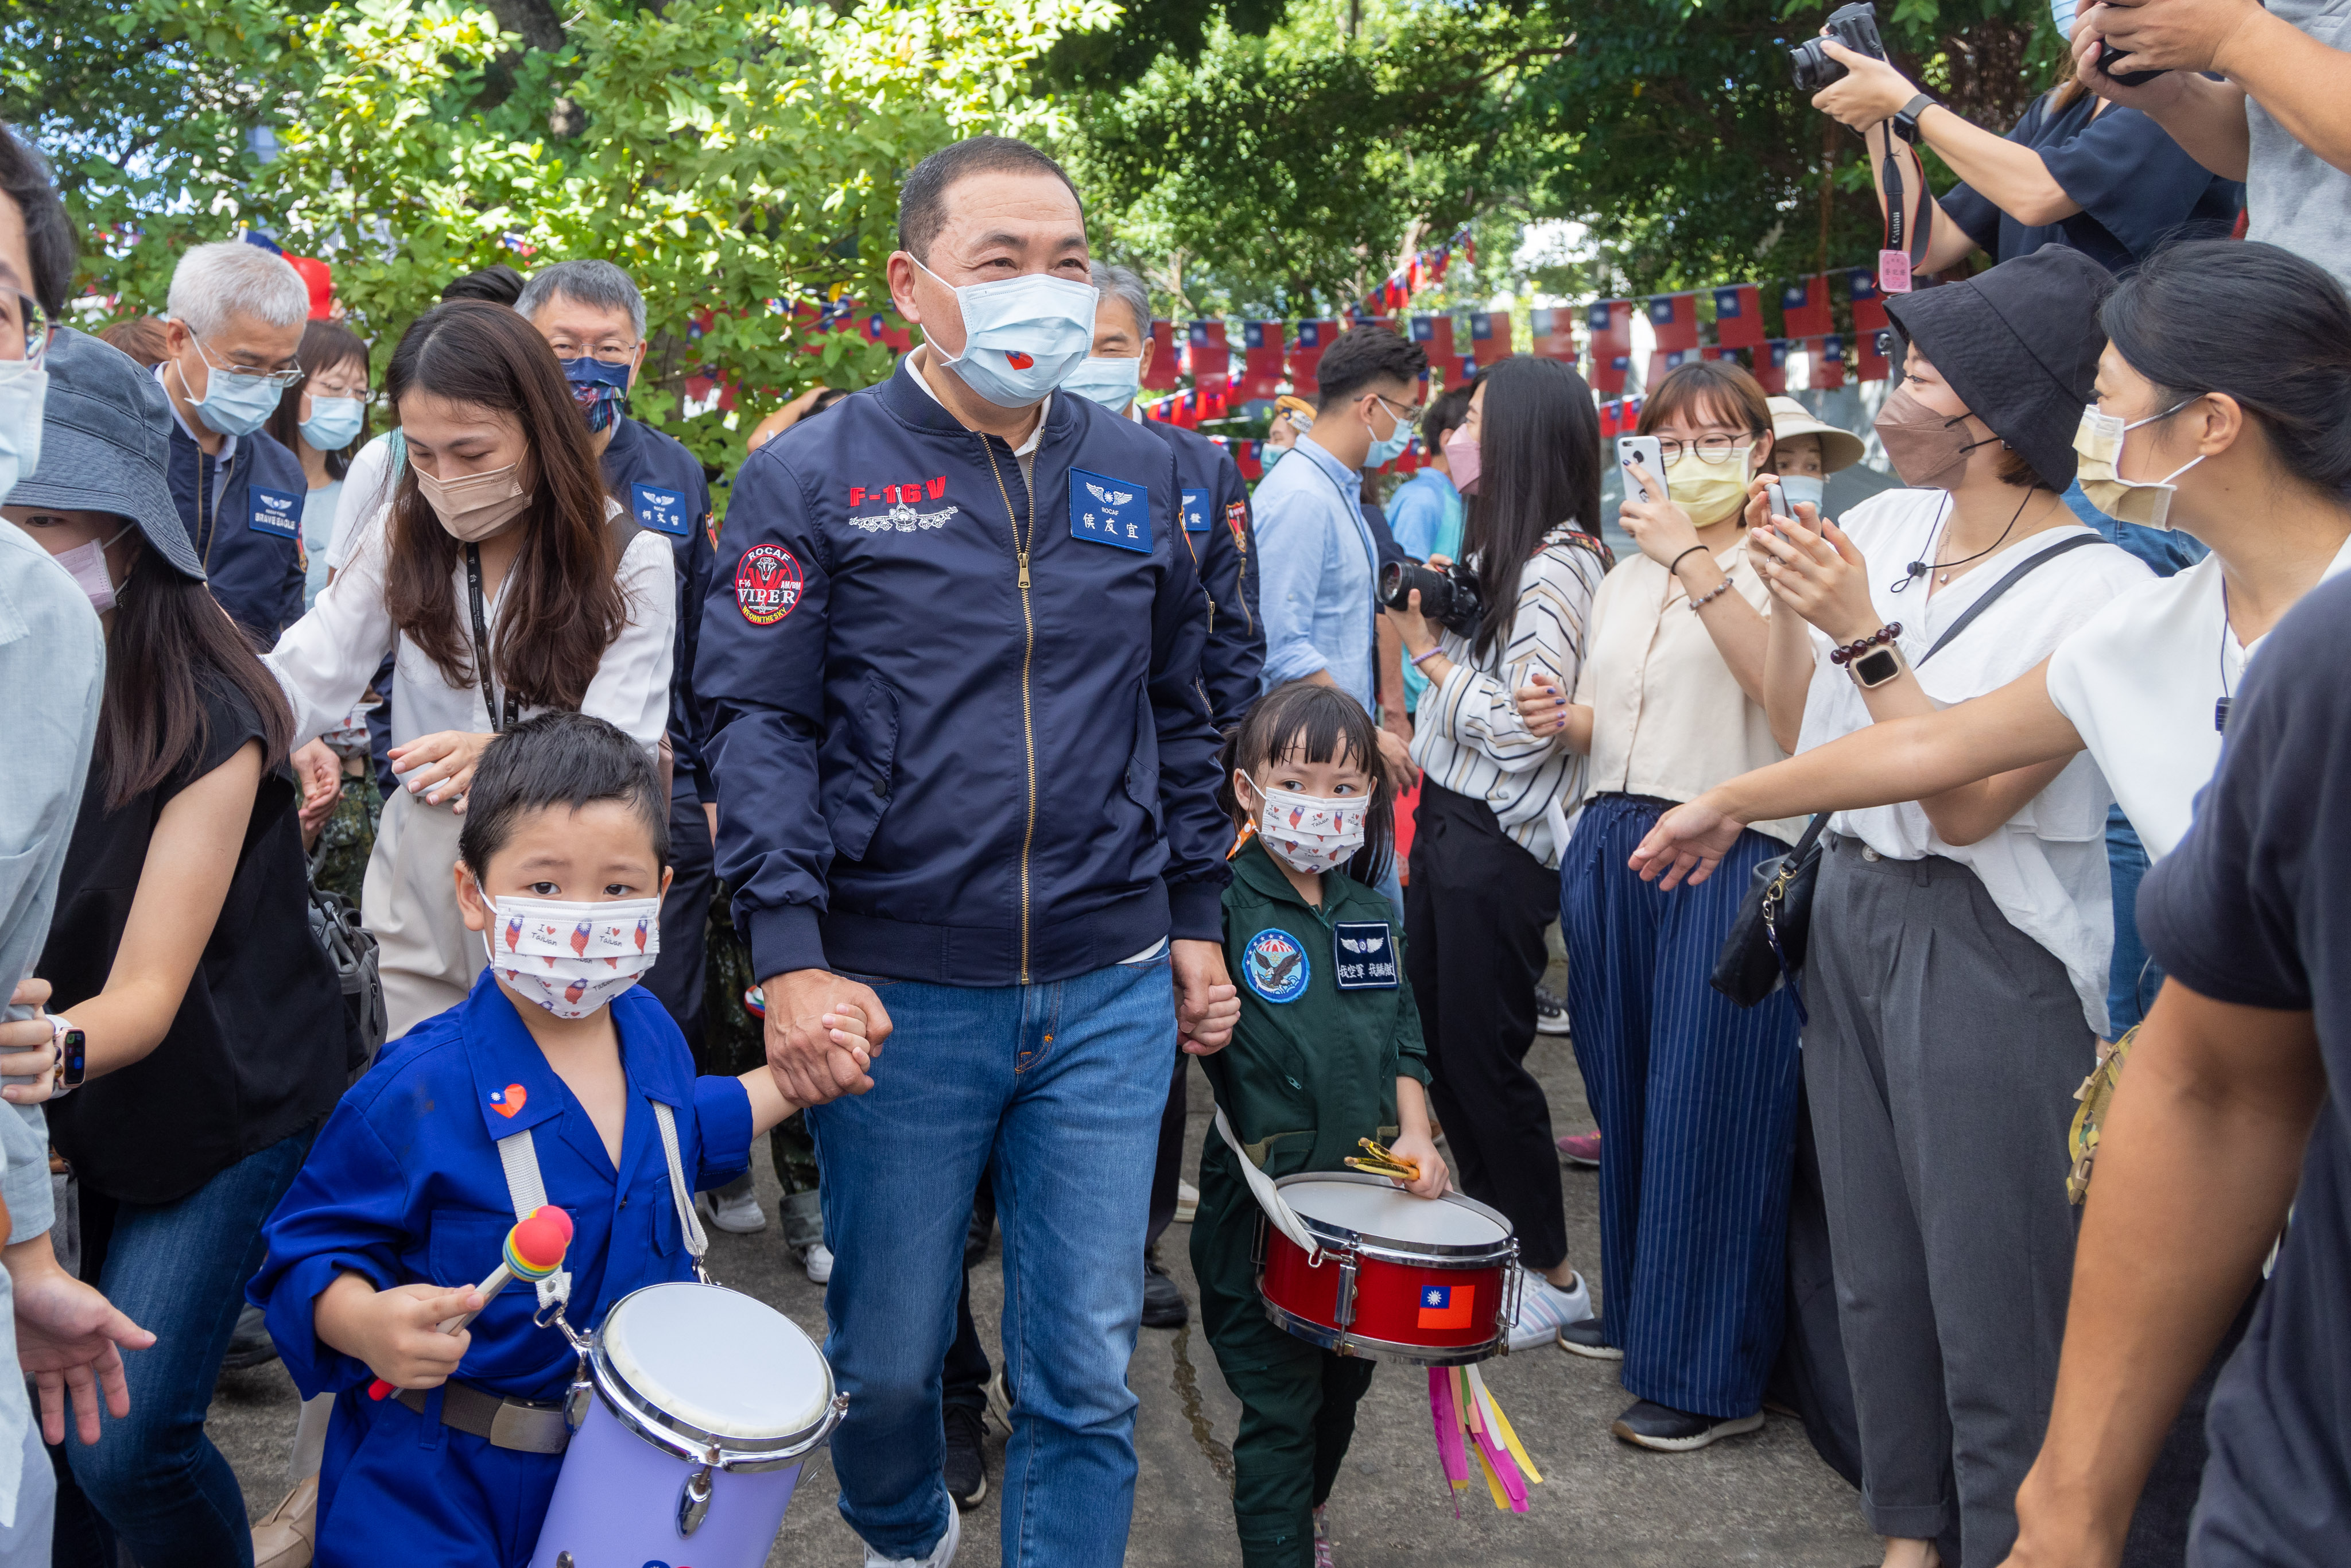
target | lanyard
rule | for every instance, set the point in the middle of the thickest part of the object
(482, 645)
(1895, 265)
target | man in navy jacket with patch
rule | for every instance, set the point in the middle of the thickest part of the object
(235, 319)
(950, 676)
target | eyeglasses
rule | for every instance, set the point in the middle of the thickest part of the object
(1709, 448)
(605, 353)
(280, 380)
(25, 328)
(1407, 414)
(360, 395)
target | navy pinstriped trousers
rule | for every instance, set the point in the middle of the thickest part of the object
(1697, 1104)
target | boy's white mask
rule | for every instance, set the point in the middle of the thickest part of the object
(571, 957)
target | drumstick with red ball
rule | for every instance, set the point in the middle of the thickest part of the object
(534, 1249)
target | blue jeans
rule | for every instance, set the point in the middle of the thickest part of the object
(2134, 977)
(154, 1480)
(1056, 1091)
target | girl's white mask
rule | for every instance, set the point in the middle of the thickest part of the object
(1312, 833)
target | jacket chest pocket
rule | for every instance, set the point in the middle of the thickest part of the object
(860, 793)
(465, 1244)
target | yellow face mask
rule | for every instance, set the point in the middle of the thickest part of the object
(2098, 441)
(1708, 492)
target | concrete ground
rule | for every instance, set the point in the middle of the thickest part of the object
(1762, 1498)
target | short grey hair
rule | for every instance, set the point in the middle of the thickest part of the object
(596, 283)
(229, 277)
(1121, 283)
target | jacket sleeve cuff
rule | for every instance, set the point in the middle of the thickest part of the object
(291, 1308)
(783, 939)
(722, 1114)
(1195, 911)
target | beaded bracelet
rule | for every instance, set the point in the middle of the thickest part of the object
(1853, 651)
(1709, 596)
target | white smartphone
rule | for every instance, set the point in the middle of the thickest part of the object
(1780, 502)
(1643, 450)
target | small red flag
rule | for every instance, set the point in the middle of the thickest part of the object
(1554, 334)
(1804, 307)
(1664, 362)
(1435, 336)
(1737, 316)
(1204, 353)
(1673, 316)
(1828, 362)
(1314, 337)
(1164, 374)
(1772, 367)
(1868, 304)
(1261, 360)
(1489, 336)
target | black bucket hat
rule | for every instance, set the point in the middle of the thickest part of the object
(2019, 344)
(106, 434)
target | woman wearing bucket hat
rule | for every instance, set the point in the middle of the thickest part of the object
(2221, 410)
(181, 951)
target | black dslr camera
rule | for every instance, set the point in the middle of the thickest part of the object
(1448, 597)
(1855, 26)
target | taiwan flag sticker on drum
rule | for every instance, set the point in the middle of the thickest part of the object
(767, 584)
(1446, 1306)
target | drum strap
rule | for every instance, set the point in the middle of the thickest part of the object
(1268, 1196)
(527, 1191)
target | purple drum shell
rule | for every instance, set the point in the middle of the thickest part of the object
(615, 1506)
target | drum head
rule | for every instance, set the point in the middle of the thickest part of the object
(1391, 1214)
(718, 1360)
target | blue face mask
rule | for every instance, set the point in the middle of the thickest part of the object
(1112, 383)
(23, 391)
(1022, 335)
(1273, 454)
(1386, 452)
(232, 405)
(333, 422)
(598, 388)
(2061, 13)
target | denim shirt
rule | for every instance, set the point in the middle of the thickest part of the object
(1315, 567)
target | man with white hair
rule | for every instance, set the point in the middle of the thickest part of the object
(234, 320)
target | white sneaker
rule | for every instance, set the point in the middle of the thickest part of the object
(739, 1215)
(1544, 1309)
(818, 1261)
(941, 1556)
(1188, 1202)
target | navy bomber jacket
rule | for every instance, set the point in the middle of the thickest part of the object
(1217, 525)
(935, 762)
(662, 485)
(250, 537)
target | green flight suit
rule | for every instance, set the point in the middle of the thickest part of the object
(1311, 1068)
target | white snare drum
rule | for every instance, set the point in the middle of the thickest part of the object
(705, 1402)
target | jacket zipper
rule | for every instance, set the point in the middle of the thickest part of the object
(1020, 543)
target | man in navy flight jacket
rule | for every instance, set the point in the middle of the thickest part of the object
(950, 678)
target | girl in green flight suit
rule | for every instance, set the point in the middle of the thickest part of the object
(1327, 1052)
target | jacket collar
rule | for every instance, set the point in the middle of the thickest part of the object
(508, 1065)
(1254, 869)
(904, 395)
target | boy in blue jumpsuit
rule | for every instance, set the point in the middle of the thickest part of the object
(405, 1204)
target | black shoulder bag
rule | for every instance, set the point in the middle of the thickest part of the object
(1772, 930)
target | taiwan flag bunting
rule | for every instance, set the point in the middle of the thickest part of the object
(1261, 360)
(1772, 367)
(1868, 304)
(1609, 427)
(1804, 307)
(1314, 337)
(1205, 352)
(1435, 336)
(1738, 317)
(1164, 372)
(1555, 332)
(1609, 371)
(1828, 362)
(1664, 362)
(1869, 360)
(1249, 457)
(1215, 393)
(1675, 318)
(1489, 336)
(1717, 351)
(1609, 323)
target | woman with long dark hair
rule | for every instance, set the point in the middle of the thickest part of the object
(505, 582)
(322, 420)
(181, 952)
(1494, 799)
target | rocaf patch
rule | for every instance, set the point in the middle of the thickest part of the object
(767, 584)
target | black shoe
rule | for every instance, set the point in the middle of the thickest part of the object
(966, 1466)
(1163, 1301)
(250, 1345)
(1587, 1339)
(1551, 1011)
(1671, 1431)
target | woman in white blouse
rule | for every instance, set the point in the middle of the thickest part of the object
(505, 582)
(1494, 802)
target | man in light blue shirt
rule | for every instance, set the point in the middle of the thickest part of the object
(1424, 513)
(1317, 564)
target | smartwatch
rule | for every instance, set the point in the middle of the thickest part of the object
(73, 1055)
(1906, 118)
(1875, 668)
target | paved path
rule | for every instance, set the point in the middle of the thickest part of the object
(1763, 1499)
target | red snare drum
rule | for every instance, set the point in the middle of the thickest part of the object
(1427, 1282)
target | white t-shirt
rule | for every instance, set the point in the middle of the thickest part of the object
(2139, 683)
(2046, 866)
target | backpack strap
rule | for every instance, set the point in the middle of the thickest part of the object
(2016, 574)
(527, 1191)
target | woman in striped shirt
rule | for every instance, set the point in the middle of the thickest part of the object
(1495, 801)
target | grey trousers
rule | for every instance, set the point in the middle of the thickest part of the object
(1940, 1064)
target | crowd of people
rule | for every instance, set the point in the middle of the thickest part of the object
(999, 755)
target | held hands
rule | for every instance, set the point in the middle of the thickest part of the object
(70, 1339)
(1813, 568)
(1207, 1003)
(440, 765)
(1543, 704)
(1871, 93)
(1420, 1150)
(28, 1049)
(822, 1032)
(1661, 528)
(1687, 845)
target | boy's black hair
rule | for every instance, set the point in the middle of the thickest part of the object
(1361, 356)
(1317, 723)
(559, 760)
(1447, 414)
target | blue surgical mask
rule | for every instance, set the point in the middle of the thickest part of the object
(1386, 451)
(1022, 335)
(1273, 454)
(2061, 13)
(232, 405)
(23, 391)
(599, 389)
(333, 422)
(1112, 383)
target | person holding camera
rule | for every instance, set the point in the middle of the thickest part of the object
(1495, 798)
(2079, 168)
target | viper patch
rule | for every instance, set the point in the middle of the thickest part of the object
(767, 584)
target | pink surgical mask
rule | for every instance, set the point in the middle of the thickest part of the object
(87, 564)
(1461, 459)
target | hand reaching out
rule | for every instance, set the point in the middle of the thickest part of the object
(70, 1339)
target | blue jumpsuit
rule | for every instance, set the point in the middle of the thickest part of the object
(404, 1186)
